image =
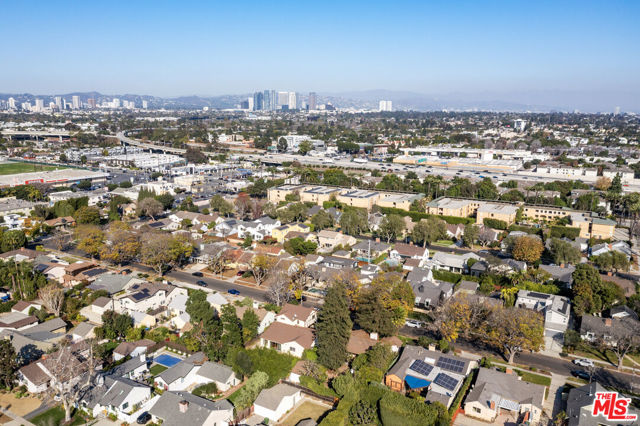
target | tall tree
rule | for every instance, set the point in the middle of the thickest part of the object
(90, 239)
(87, 215)
(527, 248)
(333, 328)
(429, 230)
(260, 266)
(13, 239)
(123, 244)
(150, 207)
(563, 252)
(391, 227)
(513, 330)
(231, 326)
(250, 324)
(8, 364)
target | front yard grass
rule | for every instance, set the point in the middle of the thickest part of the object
(534, 378)
(55, 416)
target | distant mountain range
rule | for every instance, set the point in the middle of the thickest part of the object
(524, 101)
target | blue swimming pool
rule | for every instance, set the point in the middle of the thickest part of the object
(167, 360)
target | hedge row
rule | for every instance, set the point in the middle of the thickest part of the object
(417, 216)
(565, 231)
(495, 223)
(461, 393)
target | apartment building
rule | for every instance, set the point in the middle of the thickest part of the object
(505, 212)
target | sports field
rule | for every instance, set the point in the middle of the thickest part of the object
(14, 168)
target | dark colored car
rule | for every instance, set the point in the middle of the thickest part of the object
(581, 374)
(143, 418)
(233, 291)
(201, 283)
(197, 274)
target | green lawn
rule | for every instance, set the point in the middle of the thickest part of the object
(535, 378)
(157, 369)
(443, 243)
(55, 416)
(17, 167)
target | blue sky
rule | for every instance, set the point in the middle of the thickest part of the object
(432, 47)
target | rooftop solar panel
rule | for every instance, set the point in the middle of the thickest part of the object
(421, 367)
(447, 382)
(450, 364)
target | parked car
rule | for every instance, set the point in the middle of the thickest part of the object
(581, 374)
(201, 283)
(583, 362)
(413, 323)
(233, 291)
(197, 274)
(143, 418)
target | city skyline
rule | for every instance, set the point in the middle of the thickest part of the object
(541, 54)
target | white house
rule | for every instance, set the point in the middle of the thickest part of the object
(185, 409)
(146, 296)
(220, 374)
(265, 317)
(117, 395)
(182, 375)
(287, 339)
(297, 315)
(274, 402)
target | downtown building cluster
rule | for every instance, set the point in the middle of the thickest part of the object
(272, 100)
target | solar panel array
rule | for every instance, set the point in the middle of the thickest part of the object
(446, 382)
(421, 367)
(450, 364)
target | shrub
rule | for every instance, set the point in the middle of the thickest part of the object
(258, 381)
(495, 223)
(450, 277)
(343, 384)
(461, 393)
(564, 231)
(206, 389)
(276, 365)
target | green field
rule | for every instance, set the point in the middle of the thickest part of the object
(14, 168)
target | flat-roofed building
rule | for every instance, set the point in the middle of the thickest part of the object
(63, 177)
(504, 212)
(359, 198)
(452, 207)
(279, 193)
(318, 194)
(398, 201)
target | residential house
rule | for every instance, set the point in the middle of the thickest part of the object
(24, 307)
(274, 402)
(97, 308)
(220, 374)
(409, 251)
(136, 368)
(556, 310)
(117, 396)
(607, 330)
(369, 250)
(428, 292)
(496, 393)
(336, 262)
(328, 240)
(20, 255)
(182, 375)
(217, 301)
(183, 408)
(61, 223)
(132, 349)
(148, 296)
(84, 330)
(455, 231)
(265, 317)
(441, 374)
(561, 274)
(457, 263)
(287, 338)
(297, 315)
(17, 321)
(279, 232)
(114, 283)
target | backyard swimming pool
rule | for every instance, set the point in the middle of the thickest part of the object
(167, 360)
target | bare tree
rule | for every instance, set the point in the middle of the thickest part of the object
(260, 266)
(218, 262)
(278, 290)
(256, 209)
(150, 207)
(61, 241)
(52, 297)
(73, 372)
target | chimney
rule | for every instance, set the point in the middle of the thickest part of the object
(373, 336)
(609, 274)
(377, 239)
(432, 346)
(184, 406)
(526, 416)
(493, 405)
(410, 243)
(562, 265)
(143, 357)
(508, 371)
(607, 322)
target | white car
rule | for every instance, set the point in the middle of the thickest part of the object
(413, 323)
(583, 362)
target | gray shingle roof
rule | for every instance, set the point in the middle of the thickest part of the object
(271, 398)
(167, 409)
(217, 372)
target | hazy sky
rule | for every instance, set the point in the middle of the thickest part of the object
(433, 47)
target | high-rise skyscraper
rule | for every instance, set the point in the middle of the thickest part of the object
(283, 98)
(250, 103)
(116, 103)
(39, 105)
(12, 103)
(293, 100)
(91, 102)
(266, 101)
(258, 101)
(75, 102)
(145, 104)
(313, 101)
(385, 106)
(58, 101)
